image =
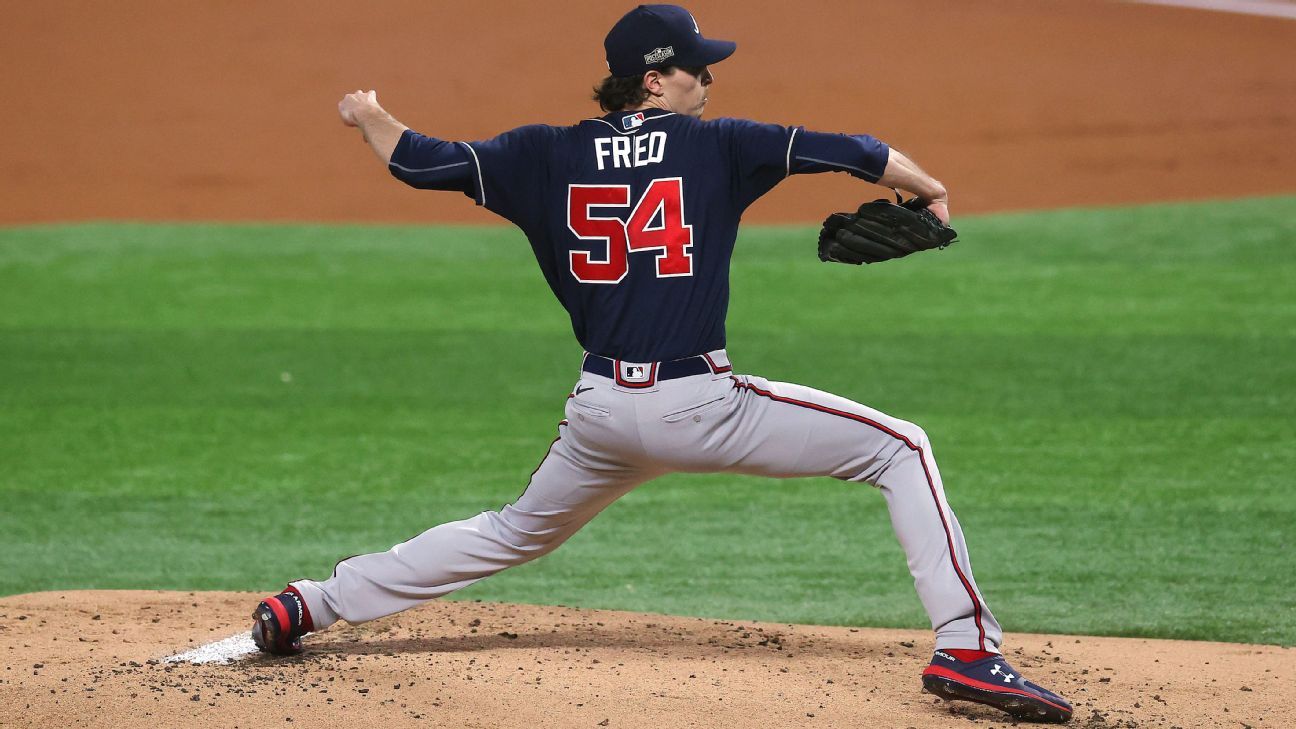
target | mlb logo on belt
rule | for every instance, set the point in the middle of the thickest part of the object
(634, 121)
(636, 375)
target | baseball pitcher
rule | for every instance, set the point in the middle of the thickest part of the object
(632, 217)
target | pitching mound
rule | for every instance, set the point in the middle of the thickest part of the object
(100, 658)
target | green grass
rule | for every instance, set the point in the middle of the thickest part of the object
(1110, 394)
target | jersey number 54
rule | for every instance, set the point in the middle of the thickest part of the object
(662, 202)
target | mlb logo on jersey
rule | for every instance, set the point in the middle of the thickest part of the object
(634, 121)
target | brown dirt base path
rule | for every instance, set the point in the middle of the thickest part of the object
(93, 658)
(153, 110)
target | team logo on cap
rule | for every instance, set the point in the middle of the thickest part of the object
(634, 121)
(659, 54)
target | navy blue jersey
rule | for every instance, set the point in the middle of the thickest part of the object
(633, 216)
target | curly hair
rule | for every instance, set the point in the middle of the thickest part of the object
(620, 92)
(616, 93)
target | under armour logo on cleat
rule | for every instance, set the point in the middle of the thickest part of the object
(1008, 677)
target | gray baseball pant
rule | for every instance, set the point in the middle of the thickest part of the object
(615, 438)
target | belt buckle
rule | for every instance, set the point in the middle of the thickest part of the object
(635, 375)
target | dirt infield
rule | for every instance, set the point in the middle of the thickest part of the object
(96, 658)
(226, 111)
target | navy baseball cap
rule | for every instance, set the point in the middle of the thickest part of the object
(655, 36)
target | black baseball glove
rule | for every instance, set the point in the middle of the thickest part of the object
(882, 230)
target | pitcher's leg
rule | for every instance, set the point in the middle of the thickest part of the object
(791, 430)
(563, 495)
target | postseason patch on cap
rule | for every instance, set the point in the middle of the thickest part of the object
(634, 121)
(659, 54)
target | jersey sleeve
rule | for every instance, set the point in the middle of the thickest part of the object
(859, 155)
(502, 173)
(759, 154)
(428, 163)
(766, 154)
(510, 170)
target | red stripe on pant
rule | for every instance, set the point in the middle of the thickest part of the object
(931, 485)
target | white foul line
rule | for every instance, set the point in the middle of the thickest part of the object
(222, 651)
(1268, 8)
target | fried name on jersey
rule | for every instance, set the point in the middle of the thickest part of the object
(636, 151)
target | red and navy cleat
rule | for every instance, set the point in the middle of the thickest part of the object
(991, 681)
(279, 622)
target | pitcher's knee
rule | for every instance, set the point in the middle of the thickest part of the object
(915, 435)
(906, 448)
(532, 535)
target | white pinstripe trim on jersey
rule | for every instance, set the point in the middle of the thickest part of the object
(866, 173)
(789, 153)
(403, 168)
(632, 131)
(481, 183)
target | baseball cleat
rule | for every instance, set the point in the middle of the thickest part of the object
(991, 681)
(279, 622)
